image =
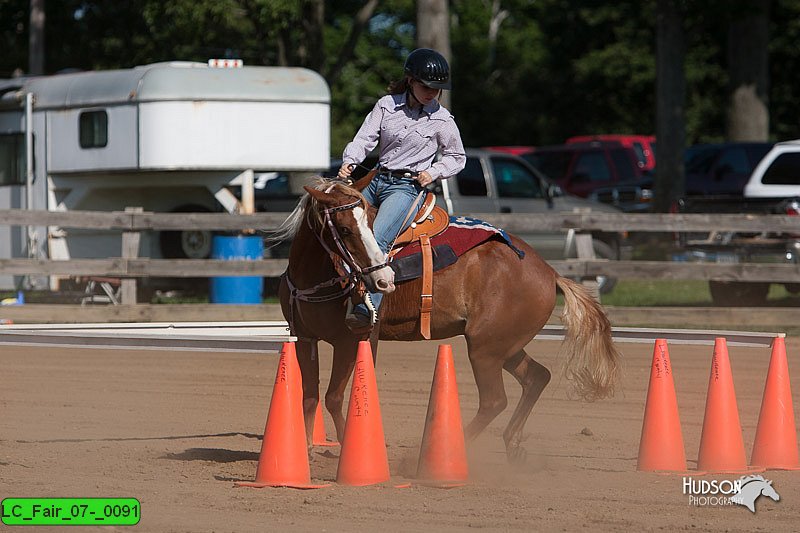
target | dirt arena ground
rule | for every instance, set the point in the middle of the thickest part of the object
(177, 429)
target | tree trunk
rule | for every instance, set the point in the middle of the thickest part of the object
(748, 40)
(670, 102)
(498, 16)
(36, 39)
(348, 50)
(313, 26)
(433, 31)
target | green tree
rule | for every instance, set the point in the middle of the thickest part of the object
(524, 71)
(14, 21)
(784, 63)
(376, 59)
(553, 69)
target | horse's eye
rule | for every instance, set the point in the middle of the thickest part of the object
(345, 232)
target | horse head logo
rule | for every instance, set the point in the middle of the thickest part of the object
(751, 488)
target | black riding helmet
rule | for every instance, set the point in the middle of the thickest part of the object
(428, 66)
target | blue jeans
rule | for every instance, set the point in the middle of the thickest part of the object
(393, 197)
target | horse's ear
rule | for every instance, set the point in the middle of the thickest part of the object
(361, 184)
(319, 196)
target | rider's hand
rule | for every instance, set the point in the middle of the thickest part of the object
(345, 170)
(424, 178)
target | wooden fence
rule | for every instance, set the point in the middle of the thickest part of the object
(128, 266)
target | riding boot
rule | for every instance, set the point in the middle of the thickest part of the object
(362, 317)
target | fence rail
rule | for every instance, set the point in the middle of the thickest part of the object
(131, 223)
(195, 268)
(649, 222)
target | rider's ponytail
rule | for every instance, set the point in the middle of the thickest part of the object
(398, 86)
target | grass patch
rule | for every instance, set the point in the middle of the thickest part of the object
(655, 293)
(679, 293)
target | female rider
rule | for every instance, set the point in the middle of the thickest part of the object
(410, 127)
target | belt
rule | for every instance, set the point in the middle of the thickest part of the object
(401, 173)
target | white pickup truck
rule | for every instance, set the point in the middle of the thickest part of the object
(773, 188)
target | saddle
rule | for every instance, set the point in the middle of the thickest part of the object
(431, 220)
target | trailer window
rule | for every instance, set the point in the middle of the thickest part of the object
(12, 159)
(93, 129)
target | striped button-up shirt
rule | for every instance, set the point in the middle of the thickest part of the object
(409, 138)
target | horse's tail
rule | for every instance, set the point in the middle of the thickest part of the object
(592, 360)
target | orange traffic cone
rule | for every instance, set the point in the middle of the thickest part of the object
(721, 445)
(443, 454)
(283, 461)
(661, 445)
(363, 460)
(775, 445)
(319, 438)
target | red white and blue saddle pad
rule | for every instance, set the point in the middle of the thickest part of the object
(462, 235)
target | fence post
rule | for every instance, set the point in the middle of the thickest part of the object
(585, 250)
(130, 250)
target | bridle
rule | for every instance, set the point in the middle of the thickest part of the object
(347, 282)
(344, 253)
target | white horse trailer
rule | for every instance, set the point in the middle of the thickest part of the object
(167, 137)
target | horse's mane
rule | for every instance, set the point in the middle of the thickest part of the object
(748, 479)
(288, 229)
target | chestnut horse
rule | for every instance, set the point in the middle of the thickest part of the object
(496, 299)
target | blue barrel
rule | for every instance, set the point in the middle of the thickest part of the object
(237, 289)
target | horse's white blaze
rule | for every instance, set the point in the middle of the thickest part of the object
(383, 278)
(367, 237)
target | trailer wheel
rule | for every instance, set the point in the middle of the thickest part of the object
(738, 293)
(186, 244)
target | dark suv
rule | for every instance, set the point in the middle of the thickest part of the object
(721, 169)
(606, 171)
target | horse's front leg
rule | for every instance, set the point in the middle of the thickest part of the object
(308, 360)
(344, 359)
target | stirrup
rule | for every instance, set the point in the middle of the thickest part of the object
(359, 322)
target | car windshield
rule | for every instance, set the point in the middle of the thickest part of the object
(622, 164)
(699, 159)
(554, 165)
(734, 160)
(639, 151)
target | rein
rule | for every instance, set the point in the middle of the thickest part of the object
(347, 282)
(344, 253)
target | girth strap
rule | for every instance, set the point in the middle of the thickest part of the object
(426, 303)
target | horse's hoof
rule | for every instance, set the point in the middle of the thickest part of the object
(517, 455)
